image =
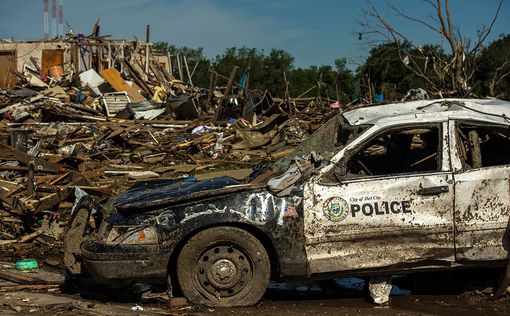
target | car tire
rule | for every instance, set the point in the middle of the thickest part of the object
(223, 266)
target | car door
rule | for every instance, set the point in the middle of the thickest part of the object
(481, 159)
(387, 203)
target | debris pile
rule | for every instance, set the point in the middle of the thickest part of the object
(110, 114)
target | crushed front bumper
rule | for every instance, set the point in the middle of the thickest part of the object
(86, 254)
(110, 263)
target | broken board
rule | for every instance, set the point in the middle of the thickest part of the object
(38, 276)
(7, 65)
(112, 76)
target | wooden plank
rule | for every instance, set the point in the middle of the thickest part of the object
(19, 278)
(226, 95)
(25, 169)
(118, 131)
(30, 236)
(212, 86)
(112, 76)
(13, 288)
(41, 164)
(137, 77)
(35, 63)
(7, 66)
(75, 57)
(6, 283)
(33, 277)
(7, 242)
(183, 168)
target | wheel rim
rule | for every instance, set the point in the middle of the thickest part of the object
(224, 270)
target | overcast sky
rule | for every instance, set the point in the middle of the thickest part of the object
(315, 32)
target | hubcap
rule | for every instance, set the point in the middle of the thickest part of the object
(223, 271)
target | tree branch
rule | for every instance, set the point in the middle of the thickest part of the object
(446, 33)
(459, 66)
(486, 32)
(410, 18)
(448, 17)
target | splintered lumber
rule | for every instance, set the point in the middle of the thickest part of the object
(212, 84)
(20, 278)
(22, 287)
(112, 76)
(26, 169)
(230, 83)
(137, 78)
(31, 236)
(33, 277)
(40, 164)
(7, 242)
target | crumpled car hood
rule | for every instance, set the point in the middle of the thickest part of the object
(147, 195)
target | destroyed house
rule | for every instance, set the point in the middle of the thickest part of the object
(32, 60)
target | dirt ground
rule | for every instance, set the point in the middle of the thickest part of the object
(446, 293)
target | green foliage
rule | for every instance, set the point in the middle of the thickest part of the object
(267, 71)
(301, 79)
(494, 69)
(277, 63)
(333, 83)
(240, 57)
(383, 70)
(345, 80)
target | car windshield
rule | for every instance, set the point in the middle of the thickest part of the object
(334, 135)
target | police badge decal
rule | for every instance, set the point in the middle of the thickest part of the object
(336, 209)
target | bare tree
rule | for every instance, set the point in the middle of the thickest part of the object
(499, 75)
(455, 70)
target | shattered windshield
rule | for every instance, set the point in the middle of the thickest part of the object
(326, 141)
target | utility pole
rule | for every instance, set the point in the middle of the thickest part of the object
(46, 22)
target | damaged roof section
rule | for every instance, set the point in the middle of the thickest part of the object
(456, 108)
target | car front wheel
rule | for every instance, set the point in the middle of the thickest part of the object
(223, 266)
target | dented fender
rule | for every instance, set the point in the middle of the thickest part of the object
(276, 221)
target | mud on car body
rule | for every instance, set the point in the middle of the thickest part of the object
(403, 187)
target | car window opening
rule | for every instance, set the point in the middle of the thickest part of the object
(484, 146)
(400, 151)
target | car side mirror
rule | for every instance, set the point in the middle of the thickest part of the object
(340, 170)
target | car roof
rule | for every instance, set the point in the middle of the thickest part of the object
(486, 110)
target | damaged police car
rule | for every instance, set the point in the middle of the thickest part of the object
(402, 187)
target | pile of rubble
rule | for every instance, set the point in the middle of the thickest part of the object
(115, 115)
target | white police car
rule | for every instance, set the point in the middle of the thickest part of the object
(408, 186)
